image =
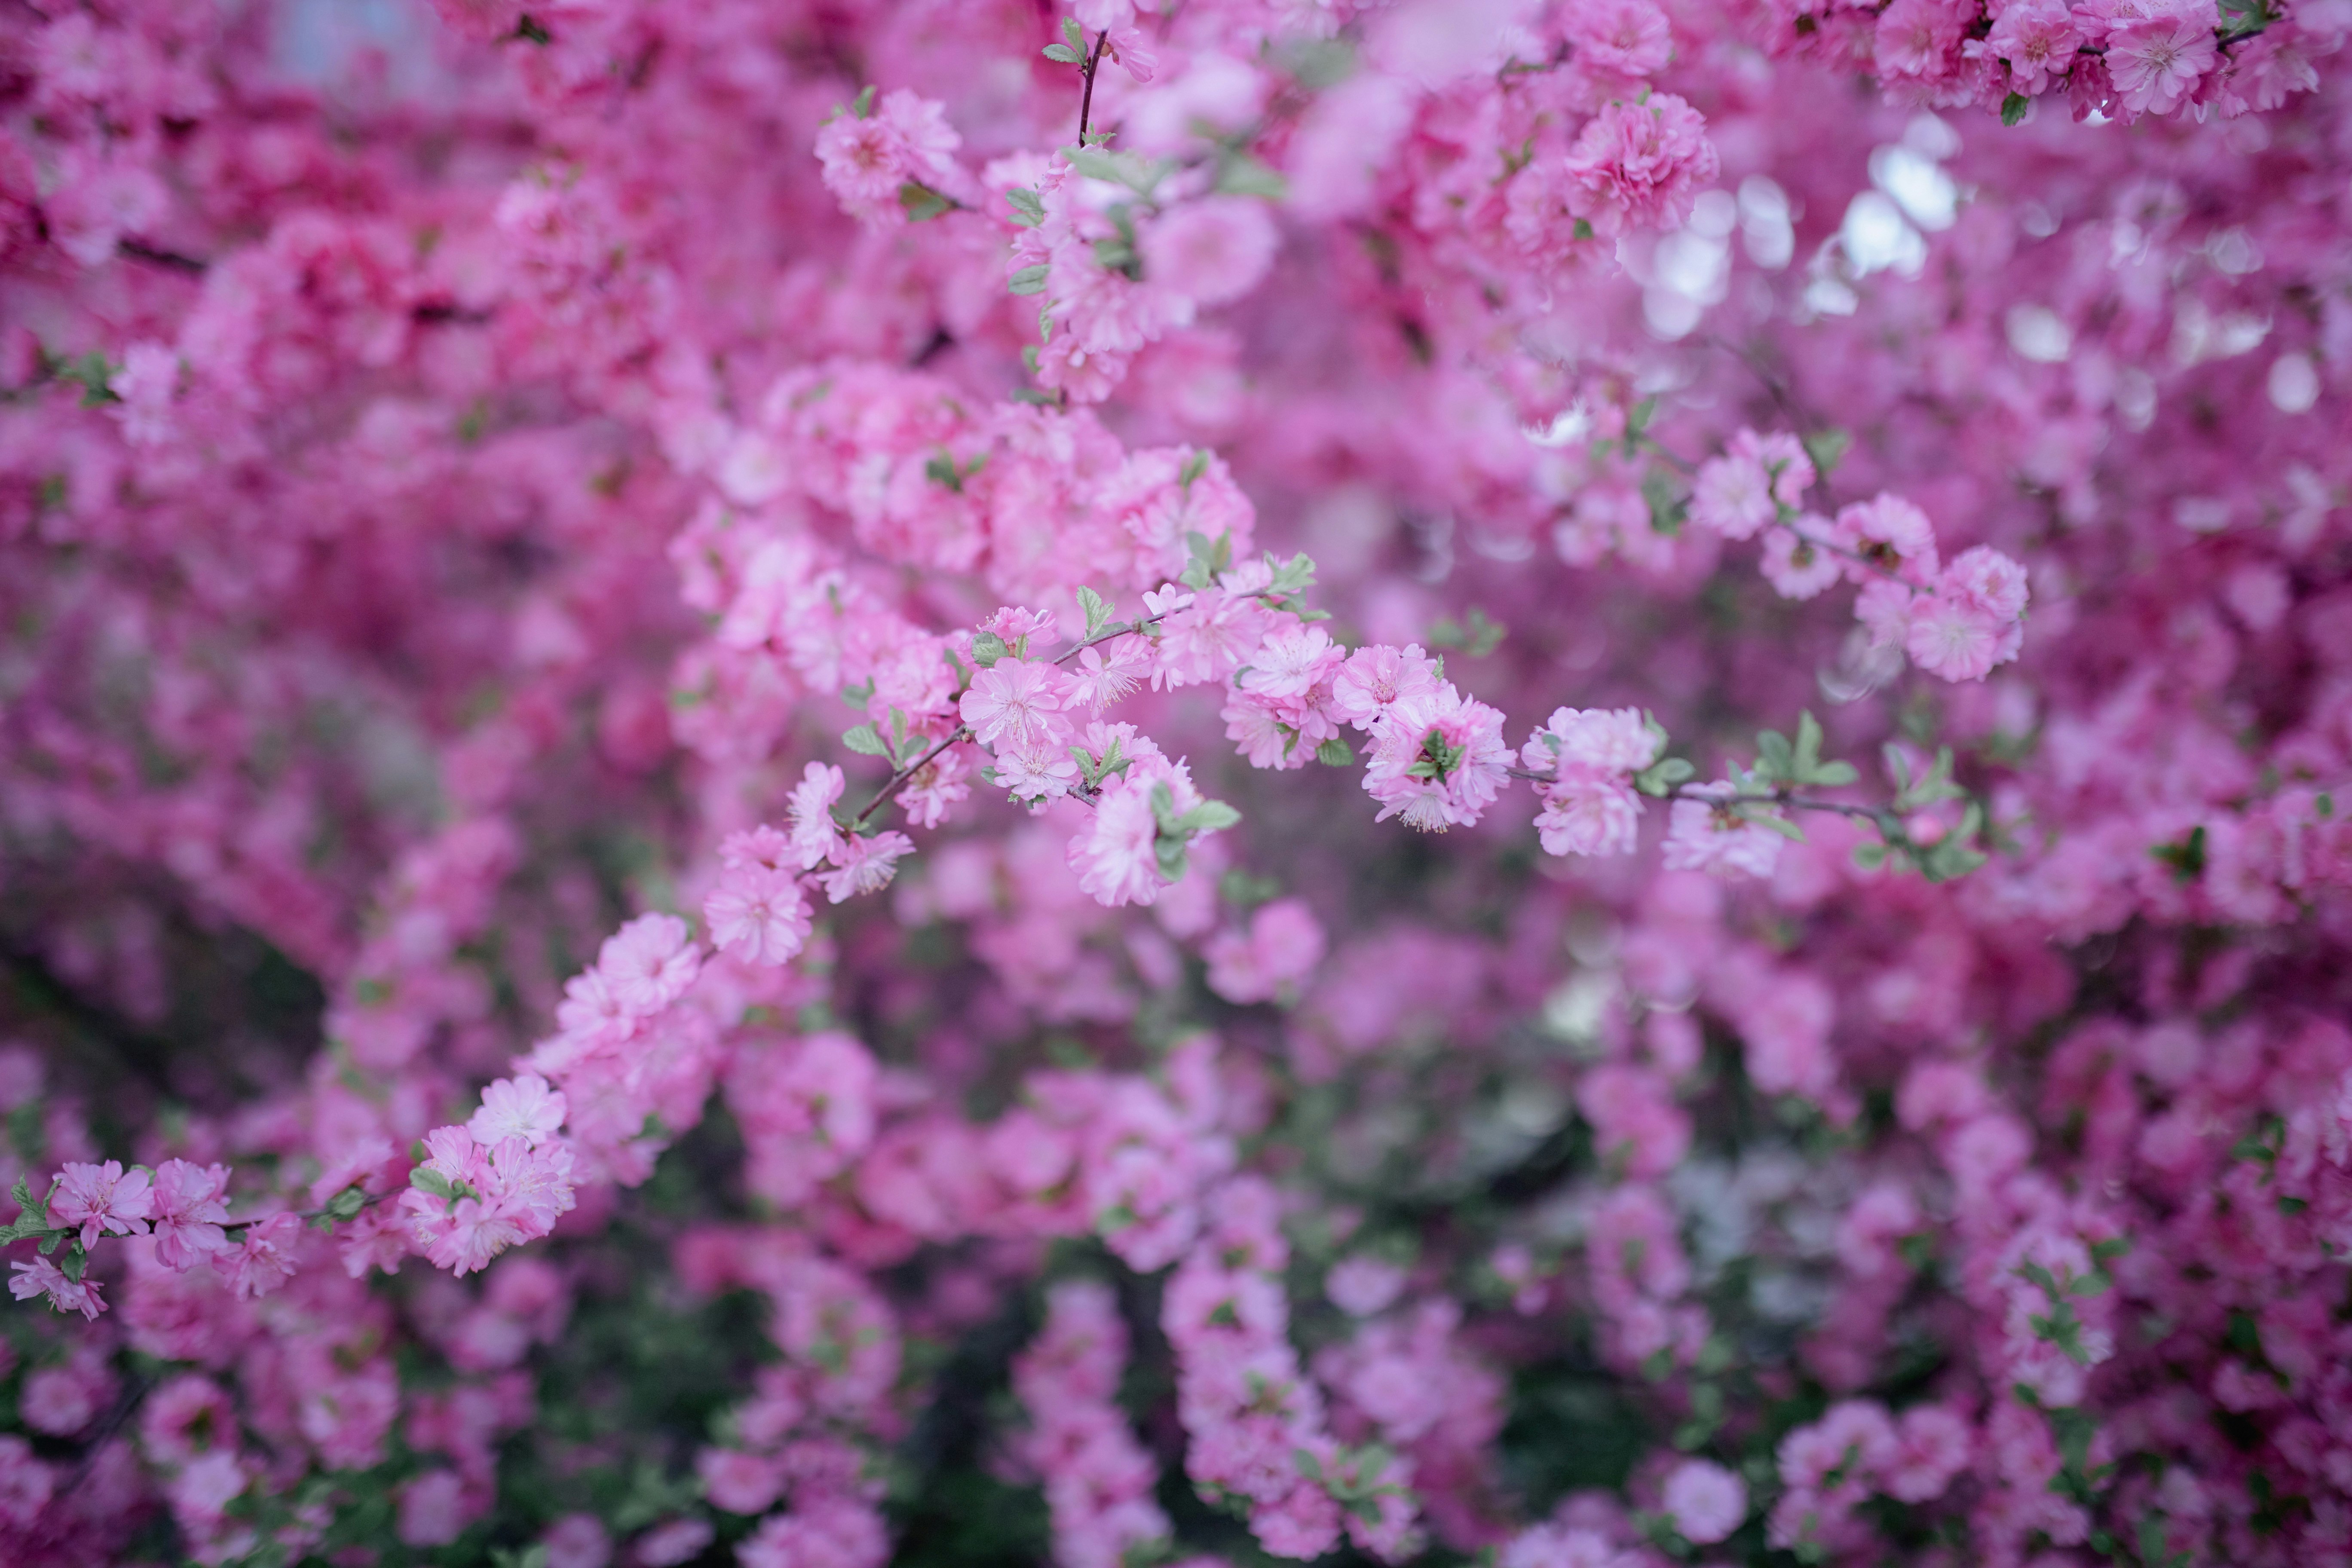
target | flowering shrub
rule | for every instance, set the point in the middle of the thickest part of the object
(686, 713)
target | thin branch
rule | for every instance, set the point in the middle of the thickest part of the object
(1086, 99)
(1713, 796)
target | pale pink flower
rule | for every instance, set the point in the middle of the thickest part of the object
(1708, 836)
(1212, 249)
(1796, 566)
(1017, 703)
(39, 1277)
(520, 1106)
(102, 1200)
(1363, 1286)
(809, 813)
(1375, 677)
(1639, 165)
(757, 914)
(189, 1212)
(1706, 1501)
(1952, 638)
(866, 864)
(1733, 496)
(1586, 813)
(2156, 65)
(649, 963)
(1116, 855)
(2037, 40)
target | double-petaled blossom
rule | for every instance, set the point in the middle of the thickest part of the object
(101, 1200)
(1438, 761)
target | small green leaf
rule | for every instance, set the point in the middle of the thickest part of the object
(1062, 54)
(1825, 448)
(425, 1179)
(1239, 174)
(1309, 1465)
(921, 202)
(987, 647)
(864, 741)
(1774, 757)
(1097, 608)
(1335, 752)
(1208, 816)
(862, 105)
(1834, 774)
(1026, 202)
(1194, 467)
(1072, 36)
(1029, 279)
(2013, 108)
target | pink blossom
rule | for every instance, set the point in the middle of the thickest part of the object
(1589, 814)
(865, 863)
(866, 157)
(1375, 678)
(1438, 761)
(520, 1106)
(1712, 835)
(1706, 1501)
(1215, 249)
(1620, 38)
(2037, 39)
(102, 1200)
(1639, 165)
(814, 833)
(1282, 945)
(648, 963)
(1116, 855)
(189, 1212)
(1017, 703)
(1794, 561)
(757, 914)
(2157, 63)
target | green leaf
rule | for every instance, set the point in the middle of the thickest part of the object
(1028, 205)
(346, 1205)
(1072, 36)
(1292, 576)
(1825, 448)
(1097, 607)
(2013, 108)
(864, 741)
(1870, 857)
(1062, 54)
(921, 202)
(1809, 745)
(1335, 752)
(987, 647)
(1029, 279)
(1239, 174)
(1169, 854)
(1194, 467)
(1775, 758)
(91, 372)
(1780, 824)
(862, 105)
(1834, 774)
(1209, 816)
(425, 1179)
(1142, 175)
(1309, 1465)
